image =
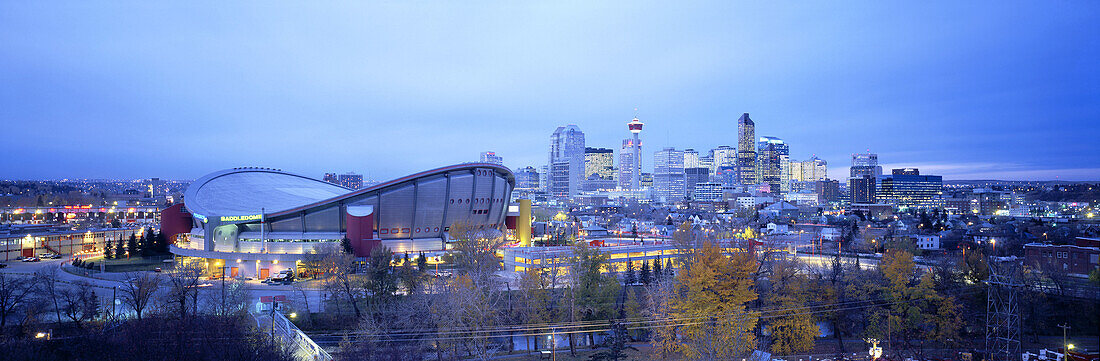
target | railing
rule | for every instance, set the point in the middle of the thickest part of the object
(300, 345)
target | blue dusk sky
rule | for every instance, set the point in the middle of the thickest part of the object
(967, 90)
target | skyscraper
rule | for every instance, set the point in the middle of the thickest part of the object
(814, 169)
(865, 173)
(865, 164)
(527, 180)
(773, 156)
(693, 176)
(566, 161)
(691, 158)
(668, 175)
(491, 157)
(746, 150)
(630, 160)
(599, 169)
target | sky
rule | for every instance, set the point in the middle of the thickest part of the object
(967, 90)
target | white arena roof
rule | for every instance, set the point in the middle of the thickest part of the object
(245, 191)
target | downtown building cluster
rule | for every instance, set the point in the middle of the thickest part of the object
(754, 168)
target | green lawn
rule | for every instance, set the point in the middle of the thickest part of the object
(134, 264)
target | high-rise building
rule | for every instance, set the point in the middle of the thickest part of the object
(630, 160)
(828, 190)
(691, 158)
(773, 156)
(905, 188)
(693, 176)
(708, 192)
(668, 175)
(527, 180)
(566, 161)
(331, 178)
(862, 189)
(645, 180)
(491, 157)
(815, 169)
(865, 164)
(796, 171)
(599, 169)
(350, 180)
(746, 150)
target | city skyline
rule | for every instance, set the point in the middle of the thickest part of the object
(979, 95)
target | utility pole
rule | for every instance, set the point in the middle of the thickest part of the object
(1065, 343)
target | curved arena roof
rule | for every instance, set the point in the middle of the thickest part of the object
(245, 191)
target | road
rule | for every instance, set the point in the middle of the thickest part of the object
(108, 285)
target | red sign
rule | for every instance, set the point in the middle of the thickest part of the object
(265, 299)
(268, 299)
(280, 298)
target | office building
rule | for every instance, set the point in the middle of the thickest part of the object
(708, 192)
(668, 175)
(746, 150)
(905, 188)
(865, 164)
(527, 180)
(773, 156)
(827, 190)
(492, 158)
(566, 161)
(695, 175)
(691, 158)
(599, 169)
(350, 180)
(862, 189)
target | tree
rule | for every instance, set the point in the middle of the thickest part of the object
(658, 274)
(645, 275)
(593, 291)
(183, 281)
(615, 344)
(422, 263)
(49, 279)
(534, 290)
(628, 275)
(346, 245)
(13, 293)
(475, 250)
(381, 282)
(120, 248)
(139, 291)
(916, 312)
(80, 303)
(132, 245)
(792, 329)
(714, 292)
(109, 249)
(341, 267)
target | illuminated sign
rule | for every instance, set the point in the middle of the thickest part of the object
(200, 217)
(251, 217)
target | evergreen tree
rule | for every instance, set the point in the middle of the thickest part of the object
(132, 245)
(658, 274)
(628, 276)
(645, 276)
(422, 263)
(346, 244)
(109, 249)
(120, 249)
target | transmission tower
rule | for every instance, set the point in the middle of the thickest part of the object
(1002, 315)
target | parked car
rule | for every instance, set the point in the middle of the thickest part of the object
(158, 270)
(31, 259)
(3, 265)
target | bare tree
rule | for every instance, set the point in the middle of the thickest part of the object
(183, 282)
(231, 299)
(341, 281)
(13, 293)
(139, 291)
(80, 303)
(49, 279)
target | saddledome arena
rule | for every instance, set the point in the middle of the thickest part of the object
(255, 222)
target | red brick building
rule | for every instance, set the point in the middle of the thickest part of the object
(1080, 258)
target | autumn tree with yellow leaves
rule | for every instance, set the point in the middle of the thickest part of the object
(707, 307)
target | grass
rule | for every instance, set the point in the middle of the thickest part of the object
(134, 264)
